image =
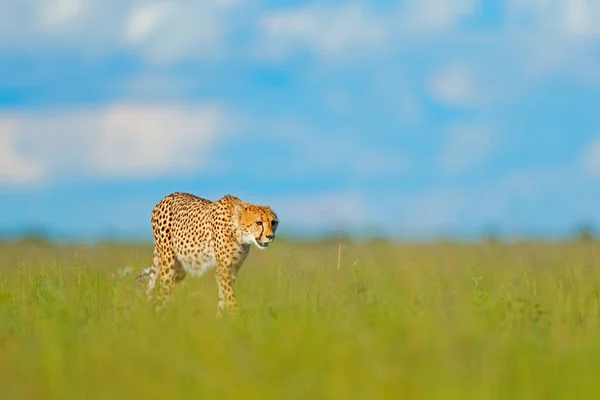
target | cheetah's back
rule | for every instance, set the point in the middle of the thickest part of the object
(181, 222)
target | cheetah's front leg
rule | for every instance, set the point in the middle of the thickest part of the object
(225, 285)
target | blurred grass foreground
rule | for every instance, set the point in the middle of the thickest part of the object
(447, 321)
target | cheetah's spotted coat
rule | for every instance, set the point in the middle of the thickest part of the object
(193, 235)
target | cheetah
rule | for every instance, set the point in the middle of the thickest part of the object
(193, 235)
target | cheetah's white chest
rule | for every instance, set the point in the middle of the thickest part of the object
(198, 264)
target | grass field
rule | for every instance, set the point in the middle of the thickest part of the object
(447, 321)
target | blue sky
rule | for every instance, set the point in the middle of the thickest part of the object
(411, 119)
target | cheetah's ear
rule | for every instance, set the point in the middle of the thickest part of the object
(239, 211)
(245, 206)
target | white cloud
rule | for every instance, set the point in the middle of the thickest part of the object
(380, 163)
(323, 211)
(507, 202)
(331, 32)
(582, 18)
(145, 19)
(167, 31)
(160, 31)
(120, 141)
(430, 212)
(435, 16)
(590, 159)
(147, 140)
(538, 39)
(555, 36)
(355, 29)
(337, 101)
(310, 150)
(454, 85)
(16, 168)
(576, 18)
(54, 13)
(157, 85)
(537, 36)
(467, 147)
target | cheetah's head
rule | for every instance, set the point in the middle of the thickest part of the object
(258, 224)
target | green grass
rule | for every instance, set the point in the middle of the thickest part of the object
(487, 321)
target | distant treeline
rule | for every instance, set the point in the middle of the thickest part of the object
(584, 233)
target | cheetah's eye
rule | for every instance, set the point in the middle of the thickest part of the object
(273, 223)
(259, 223)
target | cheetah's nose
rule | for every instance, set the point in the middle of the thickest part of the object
(270, 237)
